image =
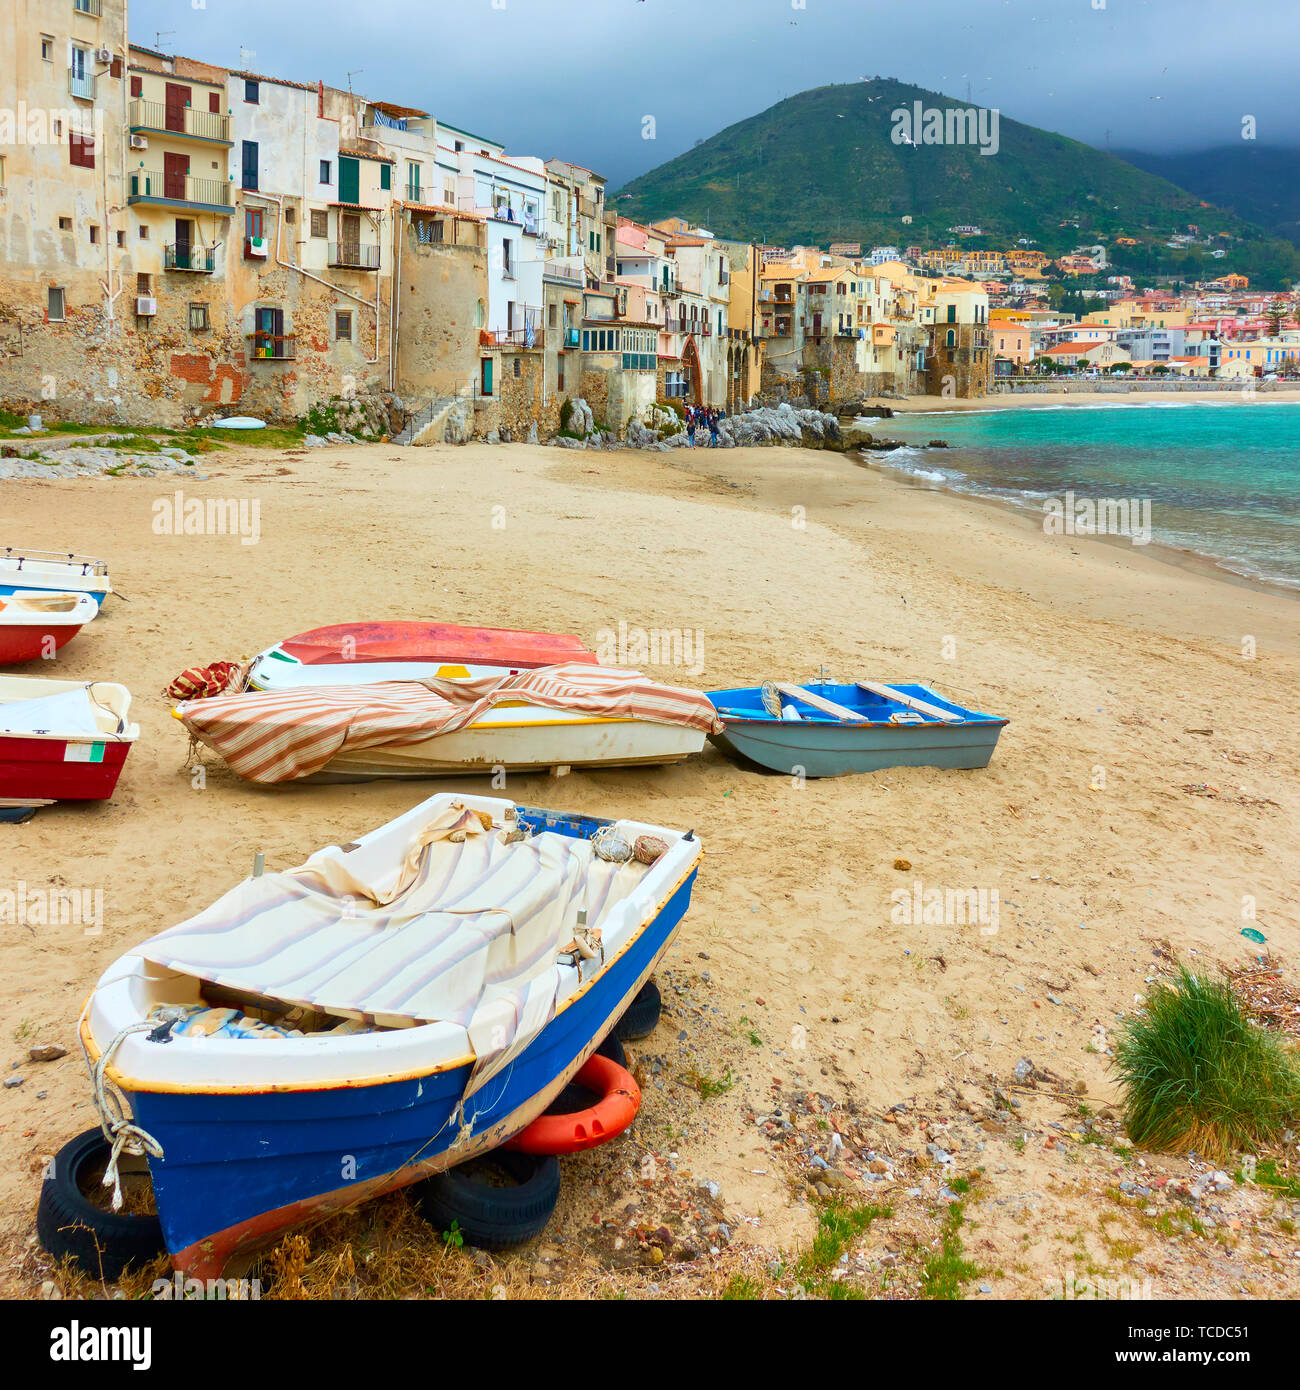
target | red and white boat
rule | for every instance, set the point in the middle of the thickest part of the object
(62, 740)
(367, 653)
(35, 624)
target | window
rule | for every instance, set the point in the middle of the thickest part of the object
(552, 316)
(254, 223)
(320, 222)
(325, 171)
(137, 87)
(54, 305)
(65, 224)
(144, 285)
(448, 193)
(290, 216)
(94, 235)
(121, 238)
(413, 181)
(252, 91)
(385, 176)
(144, 232)
(343, 326)
(214, 103)
(47, 49)
(516, 362)
(250, 165)
(199, 322)
(507, 259)
(81, 149)
(952, 338)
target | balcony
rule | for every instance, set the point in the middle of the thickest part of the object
(93, 8)
(272, 347)
(198, 259)
(209, 126)
(81, 85)
(525, 337)
(353, 256)
(572, 338)
(180, 190)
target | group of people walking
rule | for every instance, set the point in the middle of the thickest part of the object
(698, 417)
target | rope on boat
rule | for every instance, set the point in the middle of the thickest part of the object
(115, 1117)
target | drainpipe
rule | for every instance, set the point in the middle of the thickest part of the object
(306, 274)
(395, 328)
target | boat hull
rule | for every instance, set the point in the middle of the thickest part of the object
(524, 747)
(818, 751)
(59, 769)
(32, 642)
(432, 642)
(238, 1168)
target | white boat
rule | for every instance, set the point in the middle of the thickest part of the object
(521, 738)
(22, 569)
(555, 717)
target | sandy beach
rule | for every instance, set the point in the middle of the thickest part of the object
(1144, 790)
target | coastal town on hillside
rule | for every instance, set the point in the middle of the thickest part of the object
(189, 241)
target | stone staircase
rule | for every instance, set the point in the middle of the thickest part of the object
(429, 425)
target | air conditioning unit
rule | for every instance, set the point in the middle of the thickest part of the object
(146, 306)
(139, 142)
(104, 56)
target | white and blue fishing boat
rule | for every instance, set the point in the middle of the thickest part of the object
(391, 1008)
(828, 729)
(50, 571)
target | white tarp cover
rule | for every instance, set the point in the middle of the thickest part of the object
(69, 712)
(437, 929)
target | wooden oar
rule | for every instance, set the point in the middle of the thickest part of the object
(921, 706)
(797, 692)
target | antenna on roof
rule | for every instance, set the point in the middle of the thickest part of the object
(160, 35)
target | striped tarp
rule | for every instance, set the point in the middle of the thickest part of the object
(440, 929)
(278, 736)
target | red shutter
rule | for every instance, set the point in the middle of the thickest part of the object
(137, 86)
(214, 103)
(115, 68)
(81, 150)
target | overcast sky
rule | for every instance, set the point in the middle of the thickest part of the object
(576, 78)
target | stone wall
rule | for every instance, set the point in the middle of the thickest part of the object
(520, 407)
(441, 287)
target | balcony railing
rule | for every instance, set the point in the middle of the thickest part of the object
(353, 256)
(199, 259)
(81, 85)
(94, 8)
(180, 120)
(272, 347)
(179, 188)
(528, 336)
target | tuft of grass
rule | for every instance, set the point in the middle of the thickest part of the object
(707, 1086)
(945, 1271)
(1198, 1074)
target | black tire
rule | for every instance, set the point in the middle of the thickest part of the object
(642, 1015)
(487, 1216)
(101, 1243)
(613, 1049)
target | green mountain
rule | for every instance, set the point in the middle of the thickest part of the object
(823, 166)
(1258, 182)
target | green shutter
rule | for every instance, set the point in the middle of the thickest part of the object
(349, 180)
(386, 176)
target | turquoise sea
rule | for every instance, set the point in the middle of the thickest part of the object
(1222, 480)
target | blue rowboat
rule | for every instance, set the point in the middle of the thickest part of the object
(247, 1138)
(828, 729)
(23, 570)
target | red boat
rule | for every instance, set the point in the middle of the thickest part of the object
(62, 740)
(435, 642)
(35, 624)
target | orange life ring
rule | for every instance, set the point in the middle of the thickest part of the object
(620, 1099)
